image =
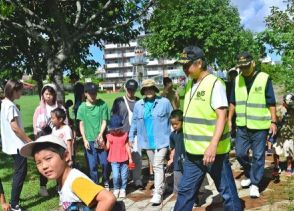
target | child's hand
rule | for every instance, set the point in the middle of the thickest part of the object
(6, 207)
(130, 160)
(86, 145)
(169, 162)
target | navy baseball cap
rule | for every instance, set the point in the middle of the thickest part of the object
(244, 59)
(90, 88)
(132, 84)
(190, 54)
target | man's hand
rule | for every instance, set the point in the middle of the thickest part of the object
(209, 154)
(273, 129)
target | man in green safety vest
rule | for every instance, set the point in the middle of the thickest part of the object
(253, 100)
(206, 134)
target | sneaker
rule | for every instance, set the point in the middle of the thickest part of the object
(288, 173)
(116, 193)
(254, 191)
(156, 199)
(122, 193)
(106, 185)
(245, 183)
(43, 191)
(17, 208)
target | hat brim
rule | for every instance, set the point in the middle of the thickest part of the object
(182, 61)
(27, 149)
(143, 89)
(244, 64)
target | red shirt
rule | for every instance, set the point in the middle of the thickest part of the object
(117, 147)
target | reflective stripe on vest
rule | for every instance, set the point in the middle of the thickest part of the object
(200, 119)
(251, 110)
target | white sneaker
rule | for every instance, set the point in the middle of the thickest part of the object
(116, 193)
(43, 191)
(254, 191)
(156, 199)
(245, 183)
(122, 193)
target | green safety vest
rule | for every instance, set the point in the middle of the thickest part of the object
(251, 110)
(200, 119)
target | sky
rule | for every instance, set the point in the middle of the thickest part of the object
(252, 13)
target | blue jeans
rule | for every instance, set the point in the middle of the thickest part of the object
(94, 157)
(119, 175)
(255, 140)
(193, 175)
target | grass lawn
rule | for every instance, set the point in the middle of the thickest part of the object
(29, 196)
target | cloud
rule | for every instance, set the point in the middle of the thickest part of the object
(253, 12)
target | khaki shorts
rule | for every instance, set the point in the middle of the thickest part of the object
(284, 148)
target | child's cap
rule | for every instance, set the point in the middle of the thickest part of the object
(115, 122)
(26, 150)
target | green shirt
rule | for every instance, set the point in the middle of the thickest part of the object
(92, 117)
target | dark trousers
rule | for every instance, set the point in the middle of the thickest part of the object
(194, 173)
(18, 178)
(255, 140)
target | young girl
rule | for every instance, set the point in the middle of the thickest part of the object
(42, 121)
(61, 130)
(119, 155)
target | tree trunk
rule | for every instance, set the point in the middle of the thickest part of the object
(38, 78)
(58, 81)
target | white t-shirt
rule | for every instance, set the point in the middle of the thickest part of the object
(64, 133)
(10, 142)
(219, 96)
(66, 194)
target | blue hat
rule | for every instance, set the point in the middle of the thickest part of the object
(90, 88)
(115, 122)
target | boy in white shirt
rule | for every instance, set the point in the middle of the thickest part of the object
(77, 191)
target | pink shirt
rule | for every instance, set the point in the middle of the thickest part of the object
(117, 147)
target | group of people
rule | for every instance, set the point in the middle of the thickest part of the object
(197, 138)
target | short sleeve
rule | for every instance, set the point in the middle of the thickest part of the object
(80, 114)
(269, 94)
(11, 113)
(68, 133)
(105, 112)
(171, 141)
(219, 95)
(85, 189)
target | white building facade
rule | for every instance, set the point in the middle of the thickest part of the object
(120, 63)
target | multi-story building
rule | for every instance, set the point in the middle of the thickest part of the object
(122, 61)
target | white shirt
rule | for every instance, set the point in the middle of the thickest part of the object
(66, 193)
(64, 133)
(10, 142)
(219, 96)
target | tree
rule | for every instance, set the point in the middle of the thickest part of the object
(50, 36)
(213, 25)
(280, 35)
(280, 32)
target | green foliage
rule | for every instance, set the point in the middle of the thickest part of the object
(280, 74)
(280, 32)
(213, 25)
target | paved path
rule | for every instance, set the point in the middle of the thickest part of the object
(274, 195)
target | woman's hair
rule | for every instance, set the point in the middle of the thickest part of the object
(59, 113)
(177, 114)
(51, 90)
(50, 147)
(11, 86)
